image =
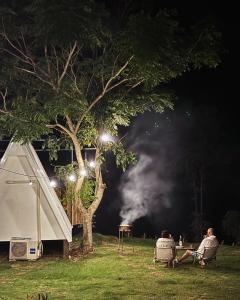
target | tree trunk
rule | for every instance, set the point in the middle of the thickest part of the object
(69, 210)
(66, 248)
(87, 241)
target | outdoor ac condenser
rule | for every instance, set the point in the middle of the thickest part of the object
(24, 249)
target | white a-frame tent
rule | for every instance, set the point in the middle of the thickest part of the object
(29, 206)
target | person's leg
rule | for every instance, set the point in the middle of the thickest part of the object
(185, 255)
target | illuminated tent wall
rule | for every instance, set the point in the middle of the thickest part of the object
(29, 206)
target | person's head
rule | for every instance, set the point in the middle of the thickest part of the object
(210, 231)
(165, 234)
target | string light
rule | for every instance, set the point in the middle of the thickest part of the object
(53, 183)
(92, 164)
(105, 137)
(72, 177)
(83, 172)
(30, 176)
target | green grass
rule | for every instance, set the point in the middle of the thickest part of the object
(107, 274)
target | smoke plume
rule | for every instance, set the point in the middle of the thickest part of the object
(146, 187)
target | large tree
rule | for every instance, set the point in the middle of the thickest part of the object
(70, 71)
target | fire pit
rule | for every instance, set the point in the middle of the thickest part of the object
(124, 230)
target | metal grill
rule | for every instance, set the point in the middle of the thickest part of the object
(125, 230)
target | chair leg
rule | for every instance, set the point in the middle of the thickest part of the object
(155, 256)
(194, 260)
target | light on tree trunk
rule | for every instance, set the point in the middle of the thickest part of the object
(72, 177)
(83, 172)
(106, 138)
(92, 164)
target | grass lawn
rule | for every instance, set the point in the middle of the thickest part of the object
(106, 274)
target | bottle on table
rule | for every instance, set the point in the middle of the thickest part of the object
(180, 241)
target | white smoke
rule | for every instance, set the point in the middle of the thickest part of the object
(144, 189)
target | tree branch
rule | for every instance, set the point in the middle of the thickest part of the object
(37, 76)
(17, 56)
(37, 71)
(26, 58)
(118, 73)
(100, 187)
(57, 126)
(57, 62)
(4, 96)
(135, 85)
(75, 81)
(195, 44)
(47, 59)
(105, 90)
(67, 63)
(89, 83)
(70, 123)
(115, 85)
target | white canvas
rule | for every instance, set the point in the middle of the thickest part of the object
(29, 211)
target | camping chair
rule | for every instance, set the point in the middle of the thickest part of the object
(164, 255)
(209, 255)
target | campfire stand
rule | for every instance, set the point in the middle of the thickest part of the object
(124, 231)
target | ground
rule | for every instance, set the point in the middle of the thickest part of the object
(110, 274)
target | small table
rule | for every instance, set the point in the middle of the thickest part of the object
(185, 248)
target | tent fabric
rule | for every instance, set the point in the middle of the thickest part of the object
(29, 206)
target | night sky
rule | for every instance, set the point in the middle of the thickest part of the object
(205, 120)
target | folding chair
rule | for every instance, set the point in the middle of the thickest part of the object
(164, 255)
(209, 255)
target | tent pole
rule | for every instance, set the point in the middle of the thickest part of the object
(38, 214)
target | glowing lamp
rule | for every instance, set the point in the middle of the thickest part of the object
(83, 172)
(106, 138)
(53, 183)
(72, 177)
(92, 164)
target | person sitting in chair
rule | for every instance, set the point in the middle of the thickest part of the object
(209, 240)
(167, 242)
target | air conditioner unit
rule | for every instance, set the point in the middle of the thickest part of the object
(24, 249)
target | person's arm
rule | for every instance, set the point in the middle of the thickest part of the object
(158, 242)
(201, 246)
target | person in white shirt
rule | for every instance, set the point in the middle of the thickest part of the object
(166, 241)
(209, 241)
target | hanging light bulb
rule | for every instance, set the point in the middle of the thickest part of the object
(92, 164)
(105, 137)
(30, 182)
(53, 183)
(72, 177)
